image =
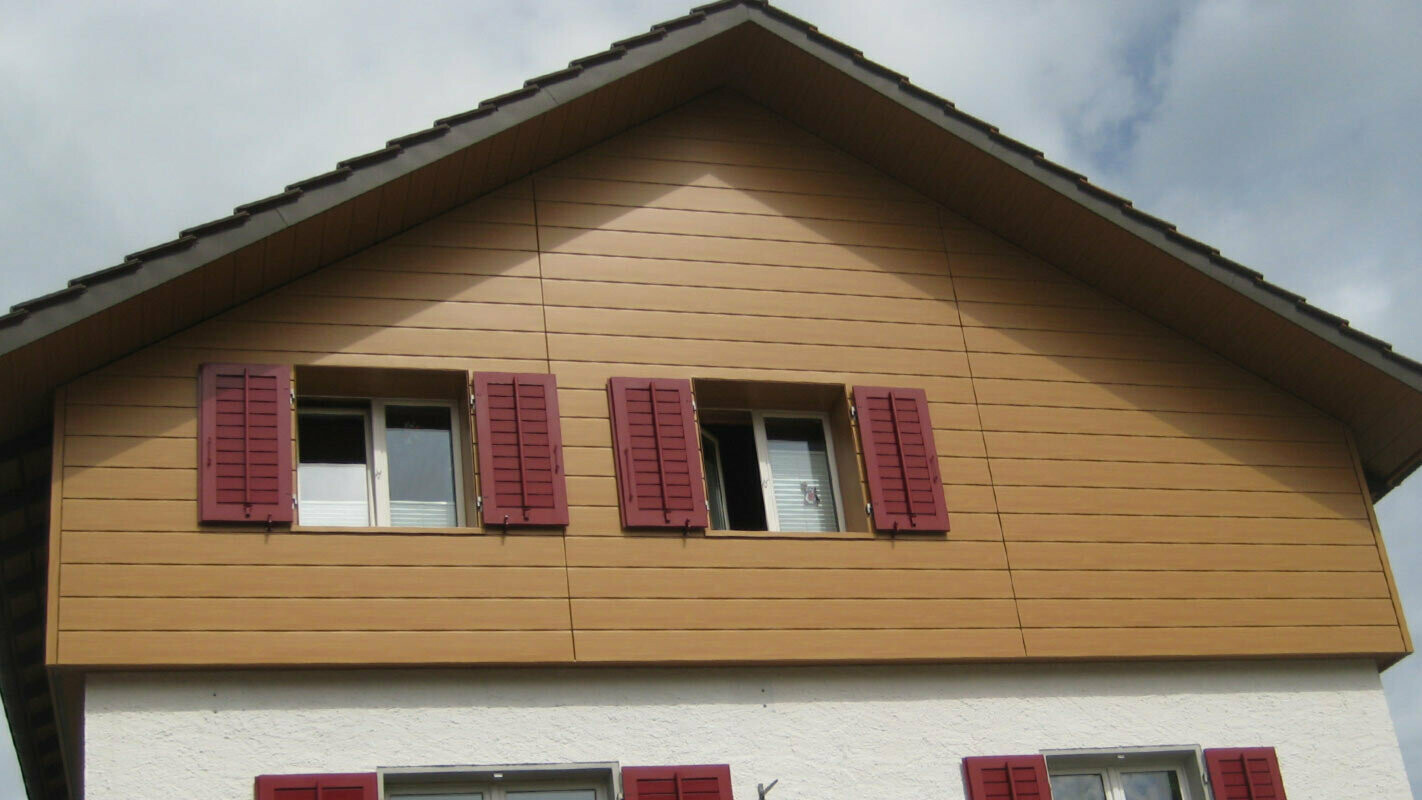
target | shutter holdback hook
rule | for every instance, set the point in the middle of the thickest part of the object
(763, 790)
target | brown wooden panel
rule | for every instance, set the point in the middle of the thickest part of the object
(1178, 502)
(450, 315)
(1030, 293)
(602, 166)
(664, 614)
(447, 232)
(341, 282)
(496, 207)
(165, 361)
(1238, 557)
(1108, 370)
(126, 580)
(741, 251)
(1102, 447)
(1203, 613)
(797, 646)
(1124, 422)
(773, 227)
(642, 144)
(120, 390)
(1092, 345)
(691, 583)
(754, 355)
(746, 276)
(592, 375)
(304, 614)
(735, 200)
(1021, 267)
(250, 648)
(145, 421)
(1243, 641)
(1241, 530)
(645, 551)
(1187, 585)
(129, 451)
(1058, 318)
(593, 294)
(408, 258)
(1146, 398)
(127, 483)
(325, 549)
(318, 338)
(1116, 474)
(730, 327)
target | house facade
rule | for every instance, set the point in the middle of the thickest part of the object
(721, 416)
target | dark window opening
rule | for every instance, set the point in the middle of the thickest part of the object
(739, 478)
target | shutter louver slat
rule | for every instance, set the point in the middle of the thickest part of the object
(520, 446)
(896, 436)
(1007, 778)
(657, 453)
(1244, 773)
(349, 786)
(244, 465)
(700, 782)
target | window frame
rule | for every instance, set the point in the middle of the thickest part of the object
(495, 782)
(372, 411)
(767, 476)
(1186, 761)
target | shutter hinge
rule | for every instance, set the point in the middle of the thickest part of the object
(693, 403)
(293, 398)
(471, 402)
(479, 503)
(853, 412)
(869, 510)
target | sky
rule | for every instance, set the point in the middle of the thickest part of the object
(1283, 133)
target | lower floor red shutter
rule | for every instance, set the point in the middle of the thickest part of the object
(1007, 778)
(701, 782)
(1244, 773)
(335, 786)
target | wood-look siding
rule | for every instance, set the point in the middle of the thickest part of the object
(1115, 490)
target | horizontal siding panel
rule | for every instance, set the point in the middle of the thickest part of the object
(125, 580)
(594, 375)
(1240, 530)
(797, 646)
(496, 208)
(1179, 502)
(1235, 557)
(406, 258)
(1020, 267)
(1203, 613)
(1123, 422)
(132, 421)
(741, 251)
(1092, 345)
(131, 483)
(1031, 293)
(843, 584)
(259, 548)
(1102, 447)
(730, 327)
(664, 614)
(639, 350)
(295, 648)
(1109, 474)
(121, 390)
(782, 552)
(1108, 370)
(292, 614)
(1058, 318)
(995, 391)
(1180, 584)
(1242, 641)
(453, 232)
(593, 294)
(320, 338)
(709, 274)
(643, 144)
(166, 361)
(735, 201)
(410, 285)
(437, 314)
(129, 451)
(771, 227)
(603, 166)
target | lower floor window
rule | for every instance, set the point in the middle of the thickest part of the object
(554, 782)
(1153, 774)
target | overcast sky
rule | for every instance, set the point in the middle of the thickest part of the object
(1283, 133)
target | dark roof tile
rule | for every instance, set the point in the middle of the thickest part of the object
(324, 179)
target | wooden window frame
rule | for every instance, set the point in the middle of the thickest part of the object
(762, 451)
(372, 412)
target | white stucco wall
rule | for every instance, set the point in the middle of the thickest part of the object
(890, 732)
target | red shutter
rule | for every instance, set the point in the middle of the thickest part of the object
(355, 786)
(902, 463)
(705, 782)
(520, 446)
(658, 453)
(244, 469)
(1006, 777)
(1244, 773)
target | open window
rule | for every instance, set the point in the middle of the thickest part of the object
(778, 456)
(381, 448)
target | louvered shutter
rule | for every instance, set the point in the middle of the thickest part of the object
(520, 445)
(1244, 773)
(244, 468)
(896, 436)
(353, 786)
(1007, 777)
(657, 453)
(704, 782)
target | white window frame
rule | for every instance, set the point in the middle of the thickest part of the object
(1187, 762)
(494, 783)
(372, 412)
(762, 450)
(720, 494)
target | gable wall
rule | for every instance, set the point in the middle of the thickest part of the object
(1113, 488)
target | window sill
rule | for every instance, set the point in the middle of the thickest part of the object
(790, 534)
(530, 531)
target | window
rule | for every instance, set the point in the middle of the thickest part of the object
(1129, 774)
(521, 782)
(364, 460)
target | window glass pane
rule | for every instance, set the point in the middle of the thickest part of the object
(1163, 785)
(800, 474)
(419, 452)
(1078, 787)
(455, 795)
(555, 794)
(333, 486)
